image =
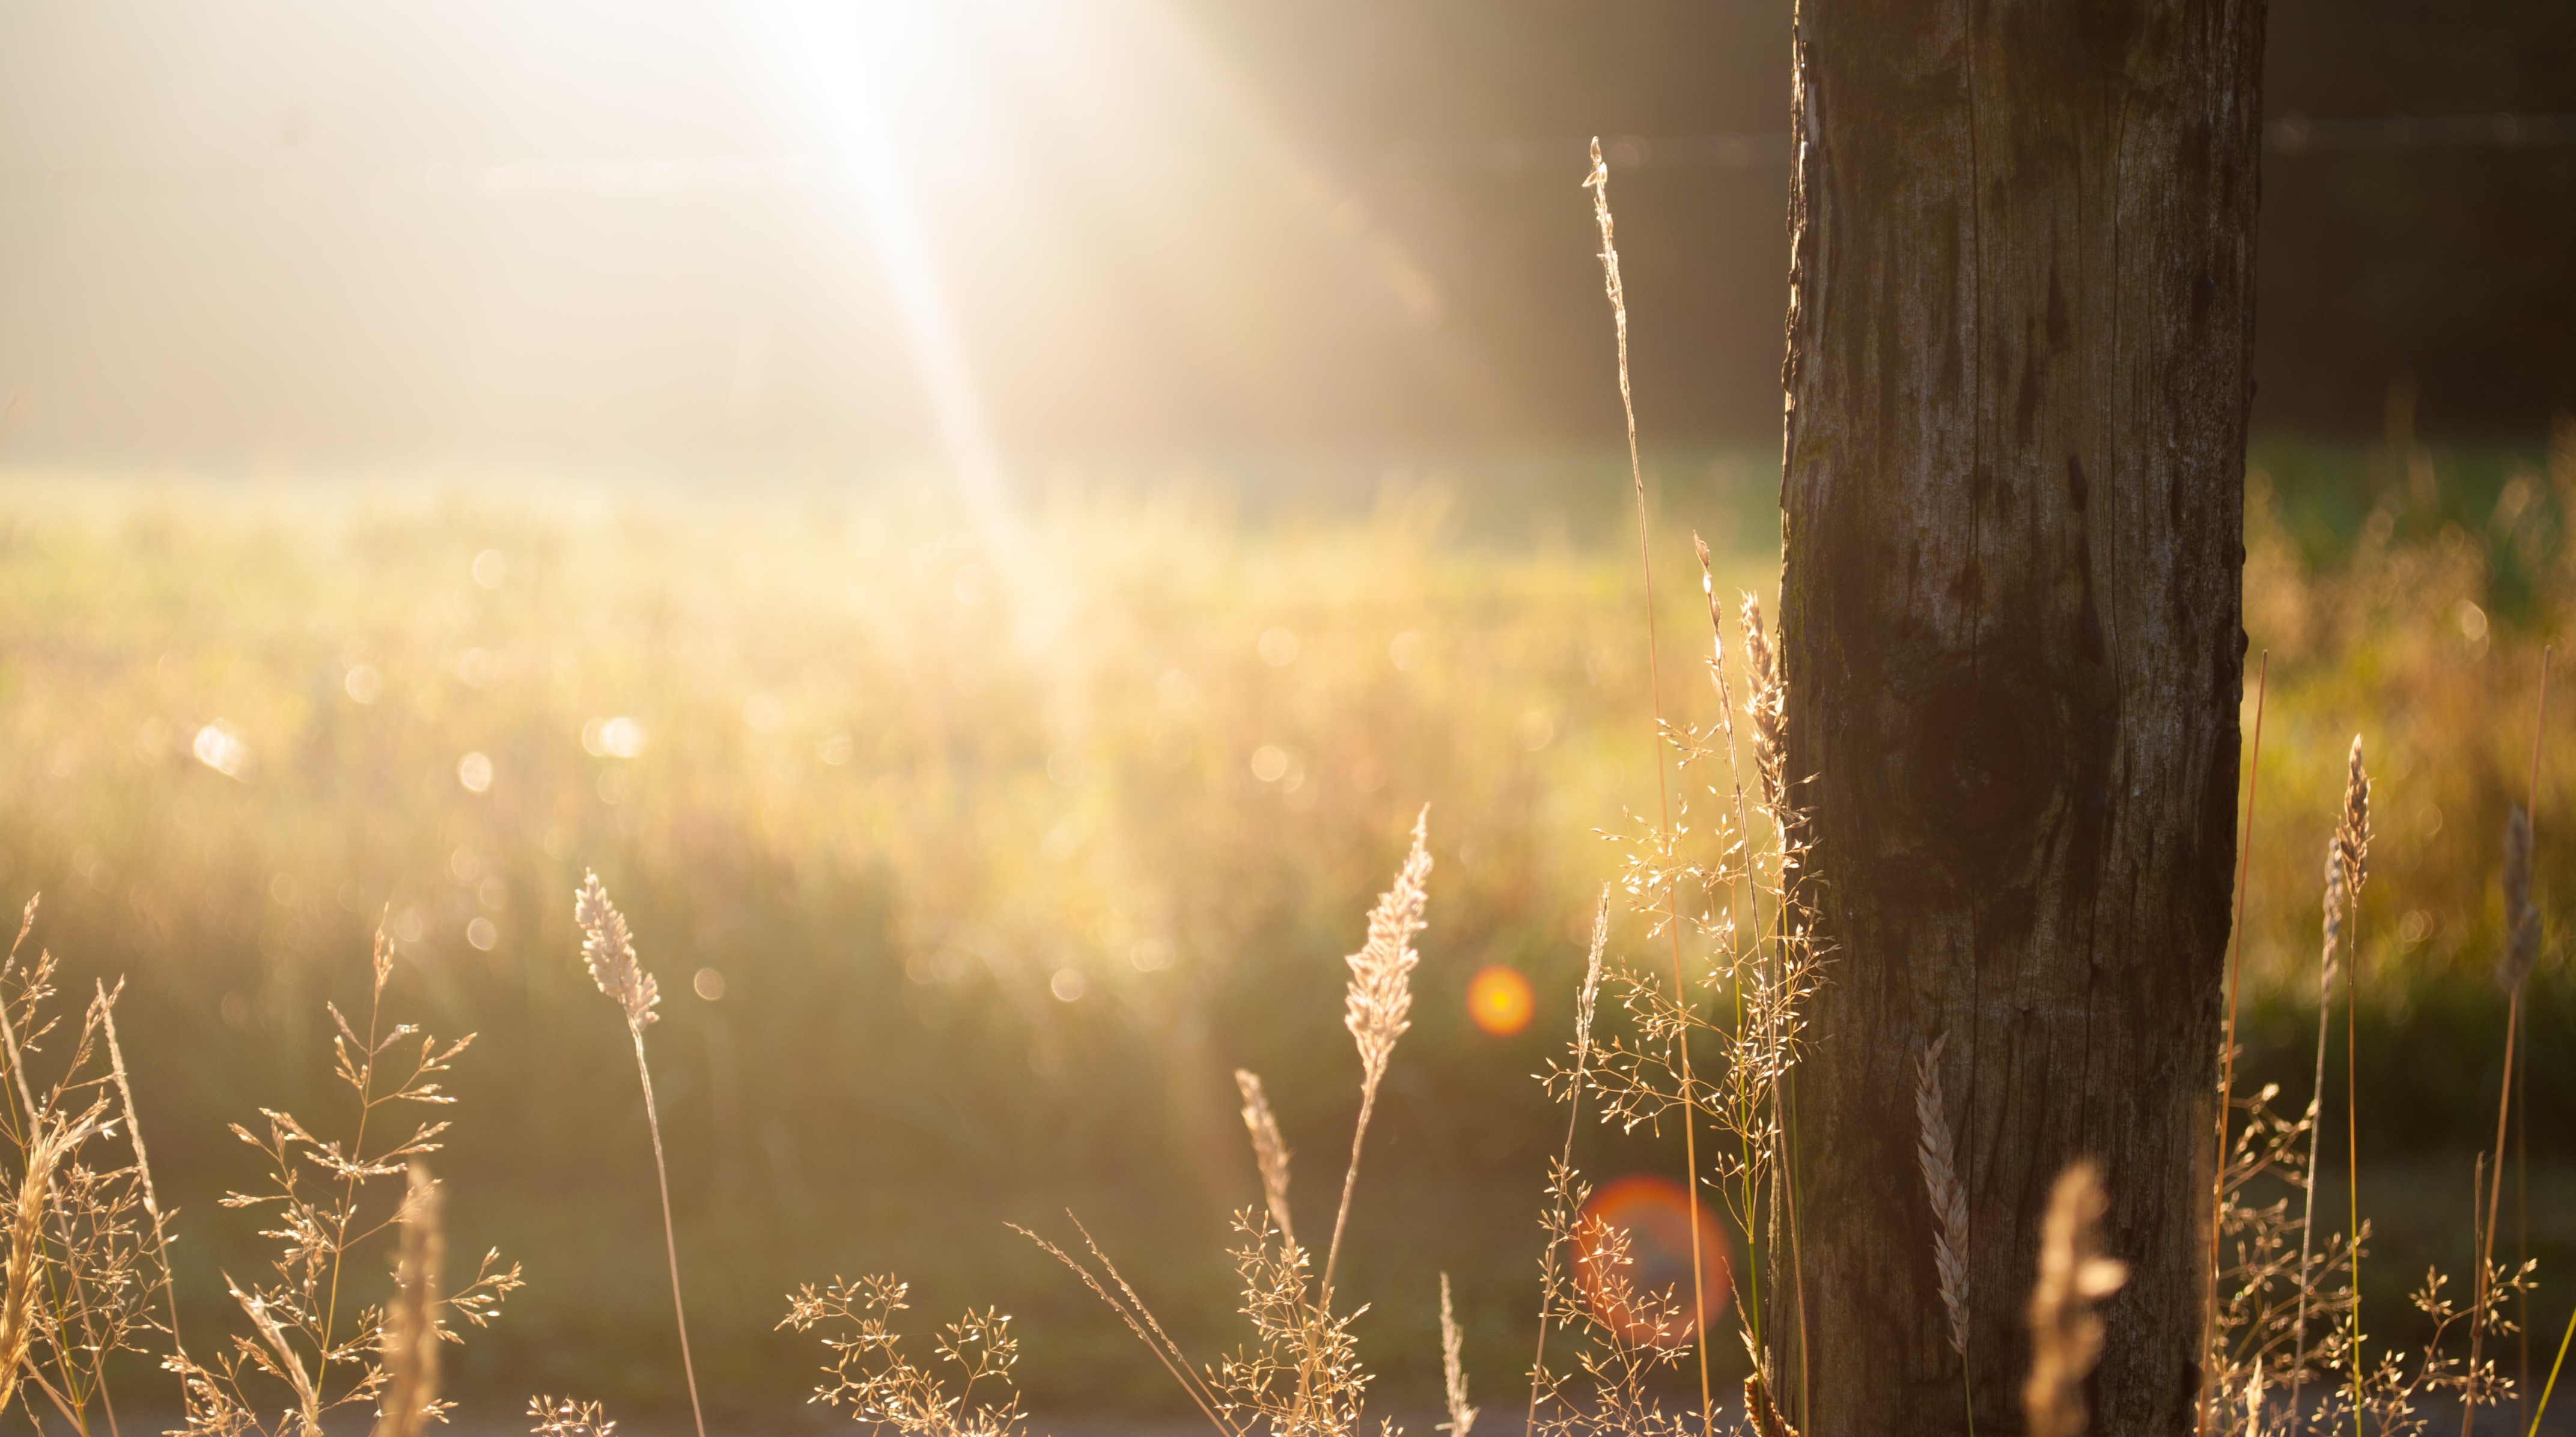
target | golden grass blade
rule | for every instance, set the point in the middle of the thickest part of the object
(18, 1291)
(142, 1162)
(282, 1358)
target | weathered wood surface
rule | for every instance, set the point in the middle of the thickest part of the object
(2018, 373)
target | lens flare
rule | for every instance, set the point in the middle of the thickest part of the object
(1632, 1255)
(1499, 1001)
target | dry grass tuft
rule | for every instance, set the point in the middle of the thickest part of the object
(19, 1315)
(300, 1337)
(2065, 1335)
(881, 1387)
(564, 1417)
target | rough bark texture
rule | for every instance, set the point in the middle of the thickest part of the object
(2019, 340)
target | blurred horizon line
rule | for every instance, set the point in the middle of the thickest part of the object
(2289, 135)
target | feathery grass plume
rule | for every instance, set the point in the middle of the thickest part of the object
(1453, 1373)
(882, 1388)
(2065, 1335)
(1767, 704)
(610, 951)
(1269, 1150)
(563, 1417)
(19, 1315)
(300, 1338)
(1938, 1153)
(1379, 996)
(411, 1332)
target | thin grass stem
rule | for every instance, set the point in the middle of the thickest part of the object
(2227, 1043)
(670, 1241)
(1599, 183)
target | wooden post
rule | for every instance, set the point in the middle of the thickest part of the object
(2019, 344)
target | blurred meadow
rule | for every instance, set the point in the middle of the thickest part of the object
(970, 879)
(984, 525)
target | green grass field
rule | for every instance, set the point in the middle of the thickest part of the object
(970, 870)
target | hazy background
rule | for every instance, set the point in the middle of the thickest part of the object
(678, 237)
(921, 423)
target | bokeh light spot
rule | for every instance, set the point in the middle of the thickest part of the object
(1632, 1255)
(1499, 1000)
(708, 984)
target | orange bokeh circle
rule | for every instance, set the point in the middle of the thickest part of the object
(1499, 1000)
(1647, 1299)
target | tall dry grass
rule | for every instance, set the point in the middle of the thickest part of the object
(610, 951)
(1721, 891)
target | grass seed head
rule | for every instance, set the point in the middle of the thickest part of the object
(1268, 1149)
(610, 952)
(1938, 1155)
(1381, 986)
(1453, 1373)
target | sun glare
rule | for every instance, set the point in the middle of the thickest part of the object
(1648, 1297)
(1499, 1000)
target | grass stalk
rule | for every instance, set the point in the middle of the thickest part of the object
(2522, 946)
(2227, 1042)
(610, 952)
(2543, 1409)
(1375, 1005)
(1599, 183)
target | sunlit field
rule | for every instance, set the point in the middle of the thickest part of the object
(970, 864)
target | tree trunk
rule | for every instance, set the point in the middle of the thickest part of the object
(2020, 330)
